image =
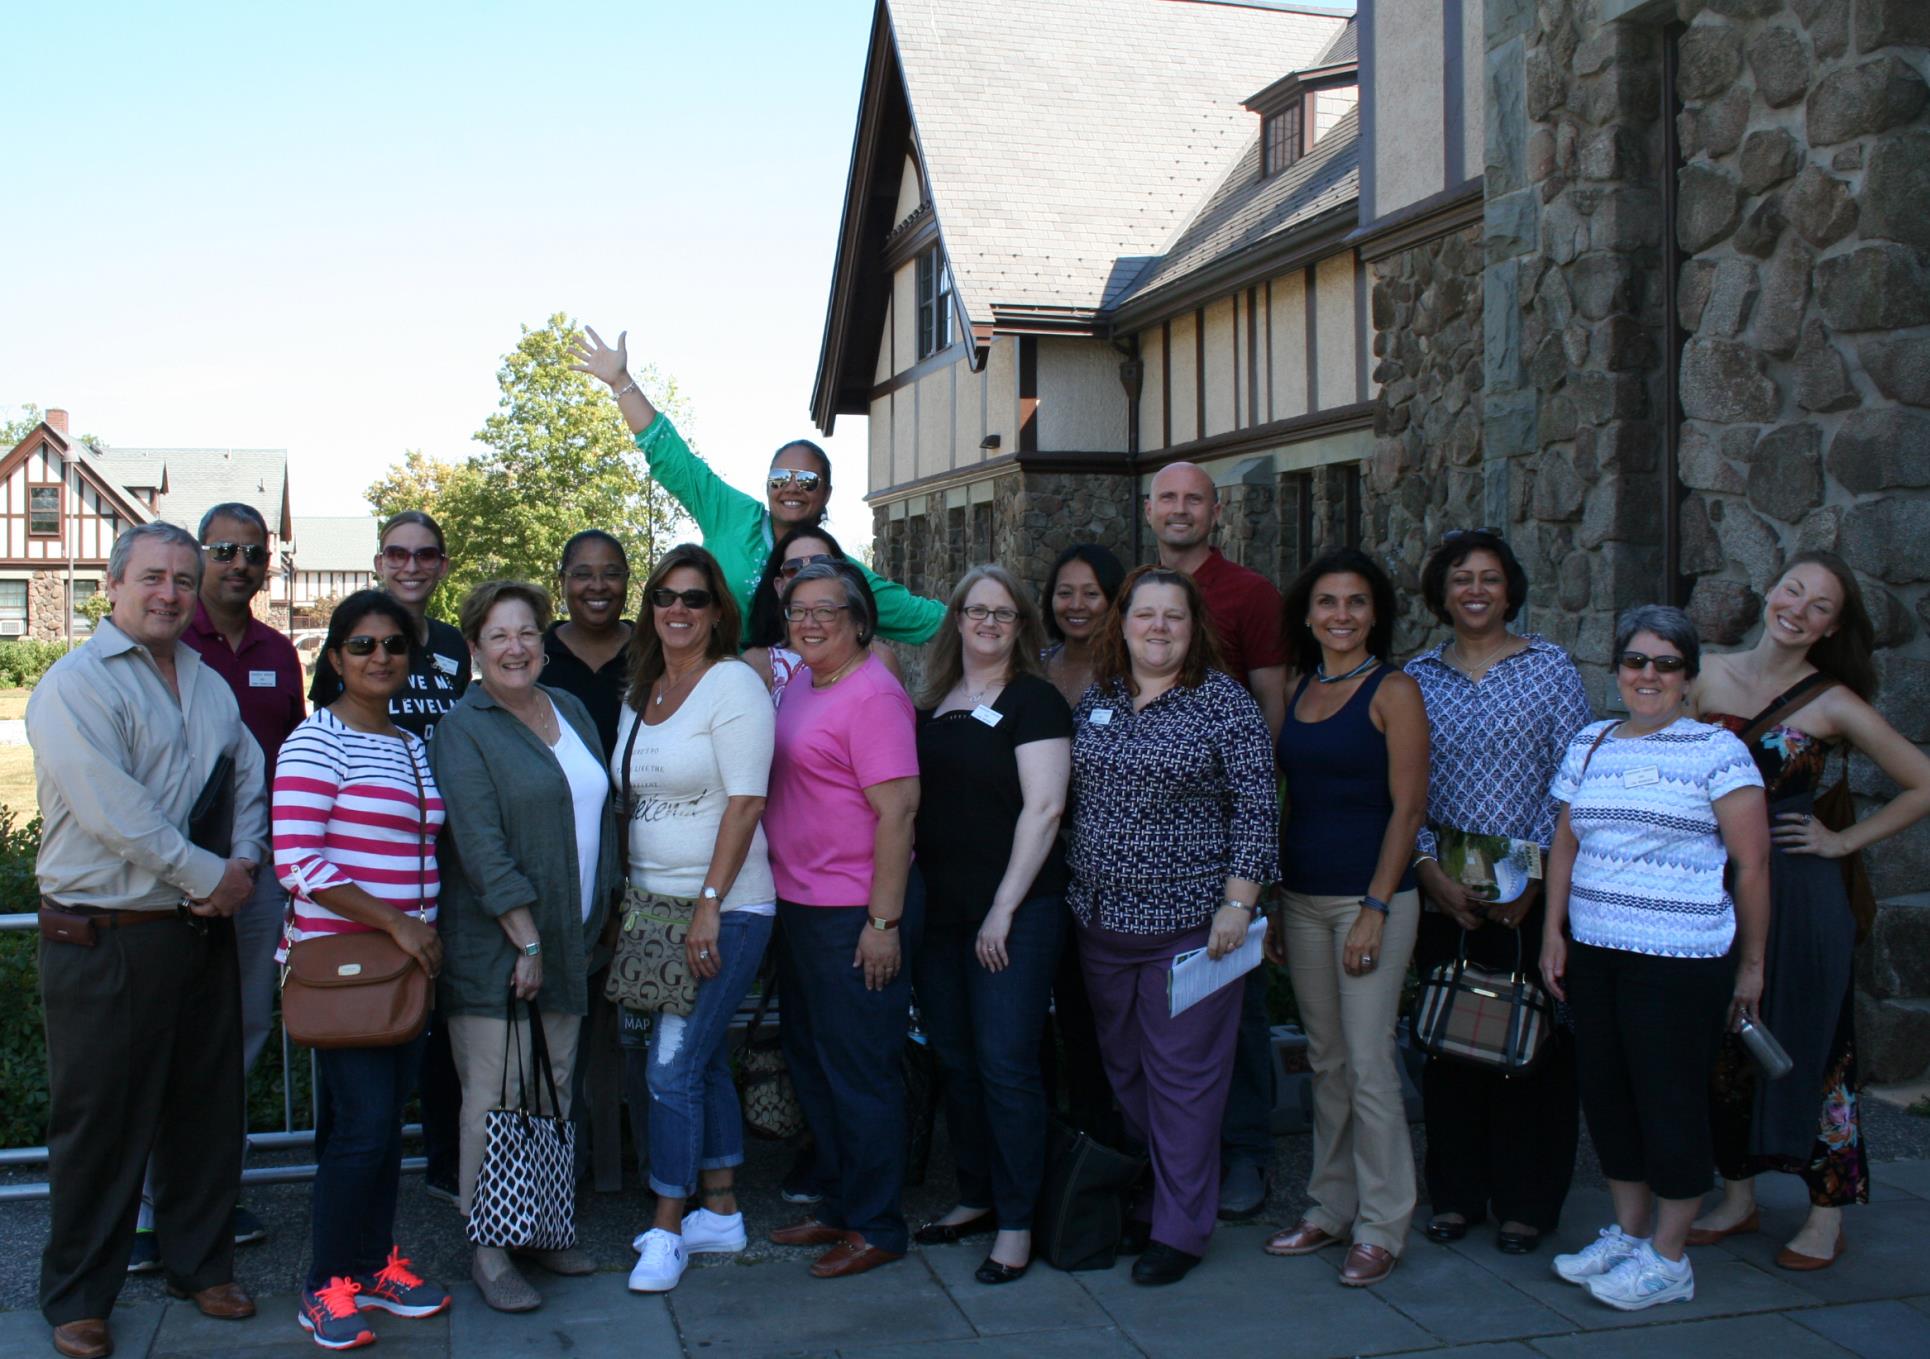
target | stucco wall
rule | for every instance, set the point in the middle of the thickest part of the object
(1082, 407)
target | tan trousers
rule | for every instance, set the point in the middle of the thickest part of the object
(479, 1043)
(1363, 1158)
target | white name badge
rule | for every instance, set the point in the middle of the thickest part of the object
(1100, 717)
(1641, 778)
(990, 717)
(261, 679)
(444, 664)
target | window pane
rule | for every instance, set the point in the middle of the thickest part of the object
(13, 600)
(43, 509)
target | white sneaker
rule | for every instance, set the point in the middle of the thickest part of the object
(661, 1263)
(1643, 1280)
(1598, 1257)
(708, 1233)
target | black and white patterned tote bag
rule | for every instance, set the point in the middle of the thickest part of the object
(525, 1195)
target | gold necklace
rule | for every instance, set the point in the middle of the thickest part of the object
(841, 671)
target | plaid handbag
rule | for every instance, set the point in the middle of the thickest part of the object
(1483, 1016)
(525, 1195)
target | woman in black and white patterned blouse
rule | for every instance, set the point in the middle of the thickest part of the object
(1175, 828)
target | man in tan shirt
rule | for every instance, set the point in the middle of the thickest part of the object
(137, 955)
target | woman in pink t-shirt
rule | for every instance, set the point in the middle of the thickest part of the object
(843, 795)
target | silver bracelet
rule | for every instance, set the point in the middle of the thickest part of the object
(625, 390)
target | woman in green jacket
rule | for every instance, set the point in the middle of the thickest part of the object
(739, 530)
(529, 865)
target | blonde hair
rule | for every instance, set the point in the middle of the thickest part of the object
(947, 659)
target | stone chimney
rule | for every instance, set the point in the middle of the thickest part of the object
(58, 419)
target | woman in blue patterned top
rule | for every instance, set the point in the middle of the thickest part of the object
(1655, 806)
(1174, 831)
(1500, 709)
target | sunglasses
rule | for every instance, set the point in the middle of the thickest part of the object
(693, 599)
(797, 564)
(364, 645)
(252, 553)
(784, 476)
(1664, 665)
(399, 557)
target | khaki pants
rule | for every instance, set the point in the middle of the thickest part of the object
(1363, 1158)
(479, 1043)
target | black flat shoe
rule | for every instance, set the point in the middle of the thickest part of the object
(1440, 1230)
(1517, 1243)
(1135, 1237)
(992, 1272)
(1163, 1264)
(941, 1234)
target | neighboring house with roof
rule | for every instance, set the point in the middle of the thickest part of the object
(334, 557)
(1061, 268)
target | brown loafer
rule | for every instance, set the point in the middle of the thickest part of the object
(223, 1302)
(852, 1255)
(1367, 1265)
(807, 1232)
(1303, 1239)
(1803, 1264)
(1708, 1236)
(84, 1339)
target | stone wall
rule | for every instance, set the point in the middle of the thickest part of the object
(46, 606)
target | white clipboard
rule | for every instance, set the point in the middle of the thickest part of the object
(1195, 976)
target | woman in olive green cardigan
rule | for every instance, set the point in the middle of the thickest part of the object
(529, 865)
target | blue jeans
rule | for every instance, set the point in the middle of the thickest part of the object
(695, 1121)
(985, 1028)
(358, 1155)
(845, 1046)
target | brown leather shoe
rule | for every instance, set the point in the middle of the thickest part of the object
(1708, 1236)
(223, 1302)
(1367, 1265)
(807, 1232)
(852, 1255)
(1303, 1239)
(84, 1339)
(1803, 1264)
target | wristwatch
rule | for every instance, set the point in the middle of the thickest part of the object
(532, 948)
(878, 922)
(709, 894)
(1251, 910)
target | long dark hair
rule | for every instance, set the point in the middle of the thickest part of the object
(1302, 647)
(1848, 654)
(1110, 658)
(341, 623)
(1104, 566)
(767, 606)
(646, 648)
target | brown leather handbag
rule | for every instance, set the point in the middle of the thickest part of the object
(360, 990)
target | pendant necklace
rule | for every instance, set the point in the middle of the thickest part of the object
(1320, 671)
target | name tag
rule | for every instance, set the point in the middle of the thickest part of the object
(444, 664)
(261, 679)
(1641, 778)
(1100, 717)
(988, 716)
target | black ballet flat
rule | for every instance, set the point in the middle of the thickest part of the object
(1443, 1231)
(943, 1234)
(992, 1272)
(1517, 1243)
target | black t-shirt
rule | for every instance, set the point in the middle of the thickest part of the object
(601, 691)
(436, 681)
(969, 799)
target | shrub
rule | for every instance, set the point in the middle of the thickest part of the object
(23, 661)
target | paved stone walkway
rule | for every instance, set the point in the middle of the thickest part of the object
(1462, 1300)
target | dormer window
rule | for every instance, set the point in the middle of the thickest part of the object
(934, 302)
(1300, 108)
(1282, 132)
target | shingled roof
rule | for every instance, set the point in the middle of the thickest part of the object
(198, 479)
(335, 542)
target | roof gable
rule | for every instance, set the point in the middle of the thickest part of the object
(194, 480)
(87, 461)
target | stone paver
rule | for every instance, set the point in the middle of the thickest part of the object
(779, 1309)
(1728, 1338)
(1880, 1330)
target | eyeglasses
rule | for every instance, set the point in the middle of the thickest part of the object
(252, 553)
(693, 599)
(785, 476)
(978, 613)
(582, 575)
(399, 557)
(817, 613)
(1664, 665)
(796, 564)
(363, 645)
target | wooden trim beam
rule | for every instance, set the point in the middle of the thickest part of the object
(1433, 216)
(931, 363)
(1355, 415)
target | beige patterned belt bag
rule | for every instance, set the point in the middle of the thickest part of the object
(650, 971)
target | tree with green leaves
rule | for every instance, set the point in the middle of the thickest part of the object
(556, 459)
(13, 431)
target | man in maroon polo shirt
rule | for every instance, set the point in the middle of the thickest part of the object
(261, 667)
(1183, 509)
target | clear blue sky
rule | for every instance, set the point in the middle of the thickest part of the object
(318, 227)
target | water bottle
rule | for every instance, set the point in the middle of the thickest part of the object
(1767, 1053)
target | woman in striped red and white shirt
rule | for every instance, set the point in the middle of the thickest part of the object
(356, 813)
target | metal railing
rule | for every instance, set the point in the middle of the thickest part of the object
(287, 1138)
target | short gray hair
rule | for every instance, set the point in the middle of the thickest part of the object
(168, 535)
(1667, 622)
(240, 511)
(857, 593)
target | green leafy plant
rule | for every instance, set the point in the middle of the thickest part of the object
(24, 661)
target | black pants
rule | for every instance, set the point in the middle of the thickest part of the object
(1646, 1033)
(441, 1093)
(1072, 1066)
(1494, 1142)
(143, 1059)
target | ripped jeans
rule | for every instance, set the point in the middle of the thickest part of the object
(684, 1073)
